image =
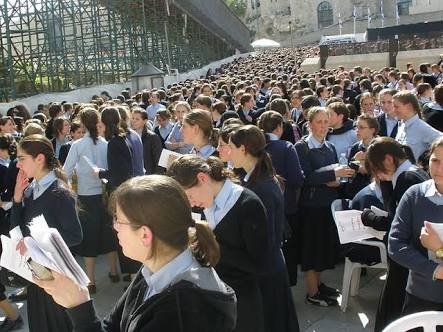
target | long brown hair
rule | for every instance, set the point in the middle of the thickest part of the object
(110, 116)
(159, 202)
(34, 145)
(186, 168)
(254, 142)
(202, 119)
(89, 118)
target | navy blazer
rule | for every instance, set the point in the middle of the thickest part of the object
(383, 128)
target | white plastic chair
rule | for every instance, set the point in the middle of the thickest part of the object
(351, 275)
(428, 320)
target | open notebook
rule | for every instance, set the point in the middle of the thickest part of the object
(46, 247)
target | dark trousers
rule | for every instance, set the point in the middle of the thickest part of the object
(414, 304)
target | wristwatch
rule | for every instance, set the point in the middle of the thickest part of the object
(439, 253)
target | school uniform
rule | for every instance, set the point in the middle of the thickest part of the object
(135, 143)
(433, 115)
(181, 296)
(419, 203)
(152, 149)
(417, 134)
(388, 126)
(50, 198)
(163, 133)
(98, 236)
(238, 220)
(343, 138)
(205, 151)
(285, 161)
(319, 238)
(4, 220)
(359, 181)
(64, 150)
(176, 136)
(392, 297)
(119, 170)
(279, 312)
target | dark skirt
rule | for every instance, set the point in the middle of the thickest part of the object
(319, 239)
(249, 303)
(98, 234)
(291, 248)
(392, 297)
(278, 305)
(44, 314)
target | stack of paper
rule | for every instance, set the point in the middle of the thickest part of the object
(46, 247)
(351, 229)
(167, 157)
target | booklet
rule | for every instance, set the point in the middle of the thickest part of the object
(46, 247)
(351, 229)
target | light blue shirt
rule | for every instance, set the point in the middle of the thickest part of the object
(205, 152)
(88, 183)
(223, 202)
(161, 279)
(164, 132)
(377, 190)
(4, 162)
(431, 192)
(417, 134)
(313, 143)
(177, 137)
(390, 124)
(272, 137)
(37, 188)
(153, 109)
(405, 166)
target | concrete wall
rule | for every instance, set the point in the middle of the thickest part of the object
(374, 61)
(418, 57)
(311, 65)
(425, 6)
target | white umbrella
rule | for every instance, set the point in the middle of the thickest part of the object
(265, 43)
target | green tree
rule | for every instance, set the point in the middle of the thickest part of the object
(237, 6)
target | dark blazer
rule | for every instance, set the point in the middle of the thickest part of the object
(63, 153)
(315, 192)
(152, 149)
(383, 128)
(242, 236)
(285, 160)
(183, 307)
(243, 117)
(119, 163)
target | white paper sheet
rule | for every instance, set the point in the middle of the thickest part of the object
(46, 247)
(167, 157)
(438, 228)
(351, 229)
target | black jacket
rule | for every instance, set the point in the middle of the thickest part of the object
(181, 307)
(152, 149)
(383, 127)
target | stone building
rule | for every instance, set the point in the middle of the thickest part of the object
(278, 18)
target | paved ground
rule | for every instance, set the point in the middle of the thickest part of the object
(358, 317)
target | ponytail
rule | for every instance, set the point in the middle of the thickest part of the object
(203, 244)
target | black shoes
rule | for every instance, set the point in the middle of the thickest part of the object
(329, 291)
(114, 277)
(325, 297)
(11, 325)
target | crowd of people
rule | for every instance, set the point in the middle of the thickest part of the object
(265, 149)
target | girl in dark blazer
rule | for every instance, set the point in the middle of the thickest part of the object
(77, 132)
(247, 146)
(119, 168)
(61, 132)
(389, 162)
(177, 289)
(319, 239)
(285, 161)
(48, 195)
(367, 128)
(152, 145)
(238, 219)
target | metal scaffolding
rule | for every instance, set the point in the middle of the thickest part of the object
(60, 45)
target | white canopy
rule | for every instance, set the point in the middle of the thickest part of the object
(265, 43)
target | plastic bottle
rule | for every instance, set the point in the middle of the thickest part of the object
(343, 161)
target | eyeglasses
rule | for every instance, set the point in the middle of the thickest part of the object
(361, 127)
(116, 222)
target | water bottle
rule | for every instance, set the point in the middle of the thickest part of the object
(343, 161)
